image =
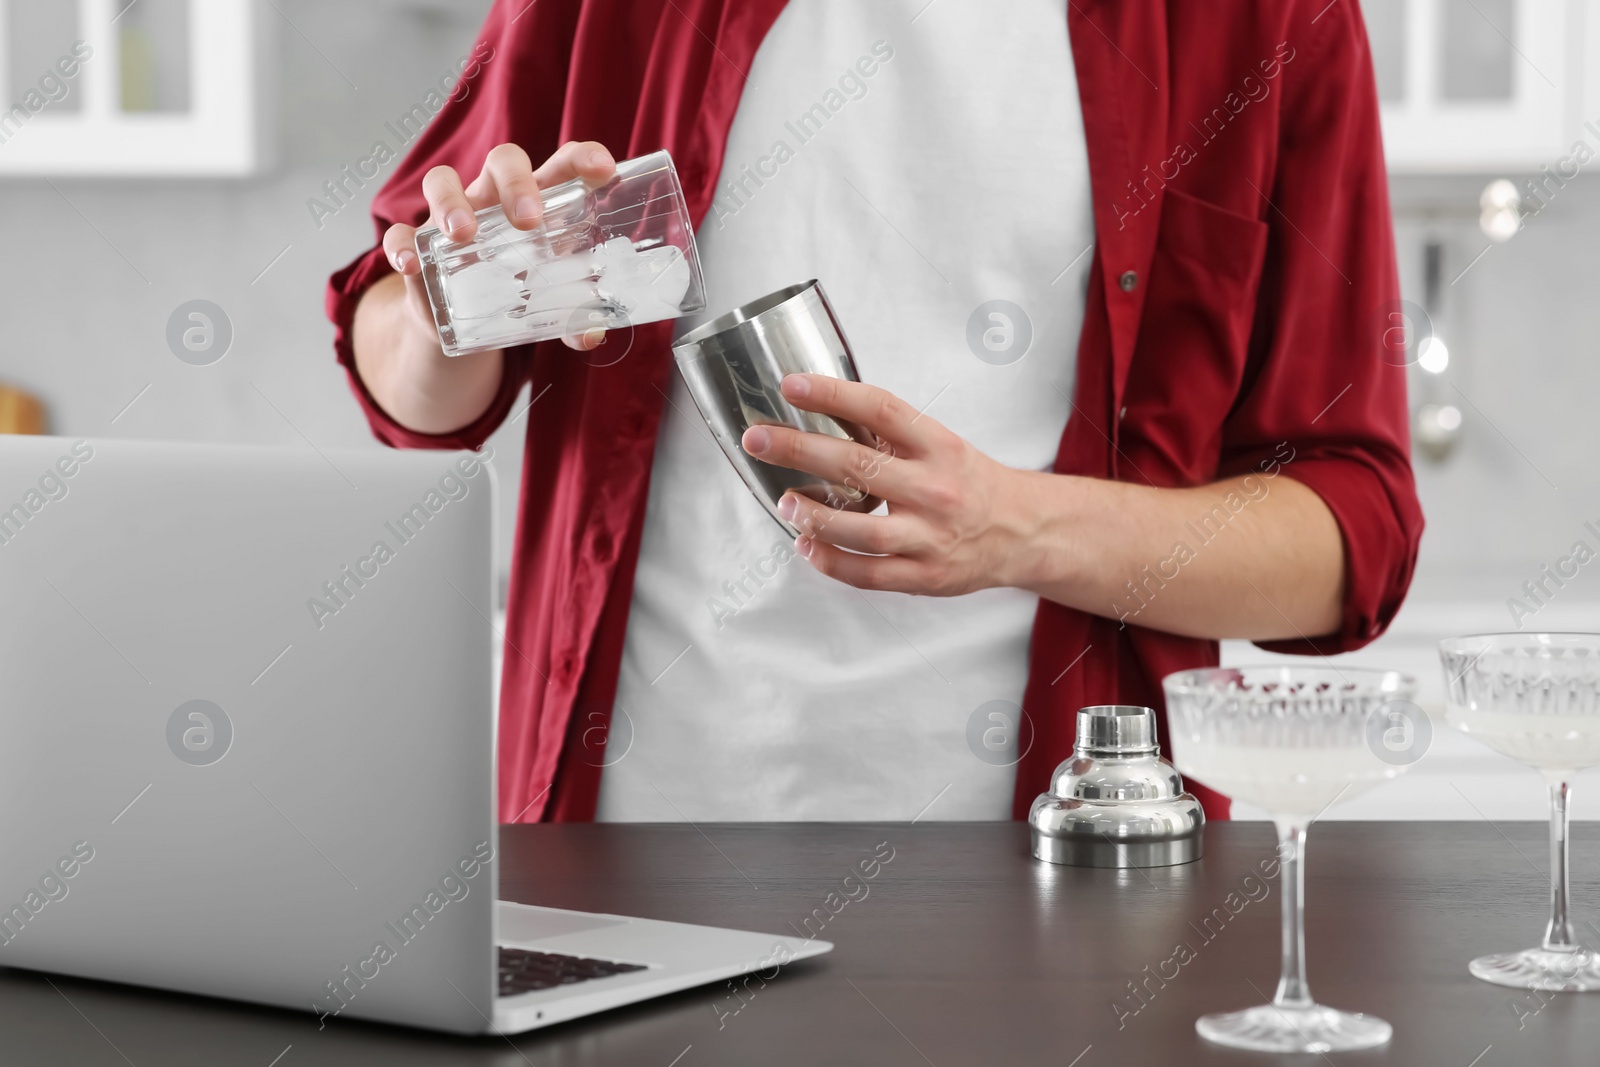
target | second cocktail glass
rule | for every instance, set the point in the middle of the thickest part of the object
(1536, 698)
(1291, 740)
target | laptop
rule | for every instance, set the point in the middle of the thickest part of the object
(249, 743)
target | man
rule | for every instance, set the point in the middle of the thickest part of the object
(1117, 272)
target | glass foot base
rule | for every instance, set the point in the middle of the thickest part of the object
(1314, 1029)
(1538, 968)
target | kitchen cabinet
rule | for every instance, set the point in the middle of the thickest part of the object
(132, 87)
(1484, 86)
(175, 87)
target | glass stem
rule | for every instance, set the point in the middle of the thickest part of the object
(1293, 992)
(1558, 936)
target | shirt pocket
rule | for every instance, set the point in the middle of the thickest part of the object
(1212, 238)
(1190, 359)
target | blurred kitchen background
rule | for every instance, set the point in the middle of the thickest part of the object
(179, 162)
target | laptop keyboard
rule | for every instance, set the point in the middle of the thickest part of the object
(524, 970)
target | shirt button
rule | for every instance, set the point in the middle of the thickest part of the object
(1129, 281)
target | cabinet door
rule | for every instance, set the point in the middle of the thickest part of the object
(1478, 85)
(137, 87)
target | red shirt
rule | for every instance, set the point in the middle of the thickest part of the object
(1237, 316)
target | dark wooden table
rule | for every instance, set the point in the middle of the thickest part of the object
(962, 950)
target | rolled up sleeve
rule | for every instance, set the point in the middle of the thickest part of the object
(1327, 358)
(508, 88)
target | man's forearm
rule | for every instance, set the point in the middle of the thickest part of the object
(1251, 557)
(409, 375)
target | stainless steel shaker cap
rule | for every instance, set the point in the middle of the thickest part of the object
(1117, 729)
(1116, 802)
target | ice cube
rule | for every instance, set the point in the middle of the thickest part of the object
(615, 281)
(646, 285)
(483, 290)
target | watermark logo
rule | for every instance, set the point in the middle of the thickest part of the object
(999, 332)
(999, 733)
(1404, 331)
(199, 733)
(606, 739)
(1551, 579)
(1144, 587)
(1399, 732)
(53, 86)
(1146, 187)
(740, 185)
(743, 588)
(454, 885)
(616, 337)
(853, 888)
(345, 187)
(199, 333)
(1144, 987)
(340, 591)
(52, 486)
(52, 887)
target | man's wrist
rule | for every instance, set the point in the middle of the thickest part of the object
(1043, 513)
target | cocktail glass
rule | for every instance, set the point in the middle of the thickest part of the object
(1536, 698)
(1291, 740)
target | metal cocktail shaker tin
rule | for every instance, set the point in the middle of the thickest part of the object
(1116, 802)
(734, 365)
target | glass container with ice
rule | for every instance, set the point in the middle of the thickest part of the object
(607, 258)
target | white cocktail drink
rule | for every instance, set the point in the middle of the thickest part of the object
(1536, 698)
(1288, 782)
(1292, 740)
(1550, 742)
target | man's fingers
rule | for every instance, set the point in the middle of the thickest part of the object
(400, 248)
(448, 204)
(591, 161)
(588, 160)
(843, 462)
(586, 341)
(894, 574)
(866, 405)
(507, 180)
(881, 535)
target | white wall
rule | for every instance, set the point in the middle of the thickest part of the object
(96, 267)
(1523, 327)
(93, 269)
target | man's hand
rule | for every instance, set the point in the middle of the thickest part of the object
(950, 527)
(396, 345)
(1258, 556)
(507, 179)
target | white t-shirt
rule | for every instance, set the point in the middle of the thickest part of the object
(920, 166)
